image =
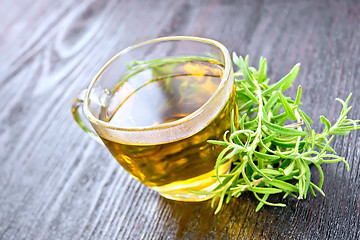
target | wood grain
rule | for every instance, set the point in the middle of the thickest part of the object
(56, 183)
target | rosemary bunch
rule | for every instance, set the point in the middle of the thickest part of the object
(270, 150)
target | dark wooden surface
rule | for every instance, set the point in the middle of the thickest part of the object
(57, 183)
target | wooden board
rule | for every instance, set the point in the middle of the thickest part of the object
(56, 183)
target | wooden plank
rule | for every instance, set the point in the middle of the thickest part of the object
(56, 183)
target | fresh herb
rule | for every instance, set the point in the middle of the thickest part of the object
(270, 150)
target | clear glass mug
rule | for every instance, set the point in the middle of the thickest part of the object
(155, 105)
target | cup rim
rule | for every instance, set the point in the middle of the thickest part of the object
(224, 78)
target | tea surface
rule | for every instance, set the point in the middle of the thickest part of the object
(164, 93)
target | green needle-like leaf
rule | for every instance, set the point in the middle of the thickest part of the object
(265, 190)
(298, 96)
(287, 187)
(283, 130)
(262, 71)
(285, 82)
(247, 75)
(266, 156)
(290, 77)
(272, 100)
(326, 122)
(287, 107)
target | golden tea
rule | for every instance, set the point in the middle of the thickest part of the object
(156, 115)
(152, 95)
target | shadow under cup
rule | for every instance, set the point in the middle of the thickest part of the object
(156, 104)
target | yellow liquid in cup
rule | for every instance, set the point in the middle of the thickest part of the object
(162, 94)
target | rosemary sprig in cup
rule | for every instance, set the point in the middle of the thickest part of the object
(270, 150)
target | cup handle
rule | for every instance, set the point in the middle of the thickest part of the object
(78, 101)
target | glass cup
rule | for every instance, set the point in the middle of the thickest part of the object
(156, 104)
